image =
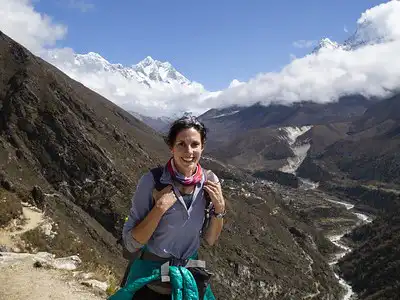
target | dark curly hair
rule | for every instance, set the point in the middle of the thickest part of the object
(184, 123)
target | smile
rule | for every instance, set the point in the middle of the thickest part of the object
(188, 159)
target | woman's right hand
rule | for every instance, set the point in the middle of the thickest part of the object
(164, 199)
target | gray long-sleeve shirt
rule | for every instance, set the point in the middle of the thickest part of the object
(178, 232)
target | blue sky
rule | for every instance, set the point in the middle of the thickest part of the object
(211, 42)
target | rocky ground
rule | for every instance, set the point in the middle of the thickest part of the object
(40, 275)
(22, 279)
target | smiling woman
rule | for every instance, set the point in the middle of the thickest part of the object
(173, 208)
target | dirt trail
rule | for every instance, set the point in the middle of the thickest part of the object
(20, 280)
(33, 217)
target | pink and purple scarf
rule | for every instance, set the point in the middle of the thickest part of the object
(192, 180)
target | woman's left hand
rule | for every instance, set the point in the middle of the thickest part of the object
(215, 192)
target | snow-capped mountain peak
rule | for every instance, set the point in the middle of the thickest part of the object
(147, 61)
(367, 34)
(326, 43)
(159, 71)
(149, 71)
(376, 26)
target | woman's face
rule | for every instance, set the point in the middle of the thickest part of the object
(187, 150)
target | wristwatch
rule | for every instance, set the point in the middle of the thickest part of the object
(220, 215)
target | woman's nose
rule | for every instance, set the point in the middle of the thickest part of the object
(189, 149)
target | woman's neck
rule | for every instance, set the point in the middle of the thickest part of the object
(185, 189)
(186, 172)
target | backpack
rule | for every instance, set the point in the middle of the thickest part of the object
(157, 173)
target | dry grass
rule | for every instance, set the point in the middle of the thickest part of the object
(10, 207)
(66, 243)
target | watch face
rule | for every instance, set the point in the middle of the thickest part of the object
(219, 216)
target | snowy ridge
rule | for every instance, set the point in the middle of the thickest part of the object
(326, 43)
(225, 115)
(148, 72)
(291, 134)
(375, 26)
(159, 72)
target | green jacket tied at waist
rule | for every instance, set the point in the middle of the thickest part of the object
(143, 272)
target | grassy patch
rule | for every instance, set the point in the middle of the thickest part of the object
(66, 243)
(10, 207)
(112, 287)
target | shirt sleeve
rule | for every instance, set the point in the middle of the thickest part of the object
(142, 202)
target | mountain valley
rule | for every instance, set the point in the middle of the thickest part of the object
(77, 157)
(312, 189)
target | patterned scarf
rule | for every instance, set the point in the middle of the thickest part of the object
(192, 180)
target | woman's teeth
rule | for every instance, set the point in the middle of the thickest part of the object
(187, 159)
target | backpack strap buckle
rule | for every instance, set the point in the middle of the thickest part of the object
(187, 263)
(178, 262)
(165, 272)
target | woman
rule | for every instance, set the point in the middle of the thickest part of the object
(167, 224)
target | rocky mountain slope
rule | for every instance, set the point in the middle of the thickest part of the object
(355, 158)
(369, 151)
(161, 125)
(306, 216)
(70, 152)
(225, 124)
(78, 157)
(361, 162)
(252, 136)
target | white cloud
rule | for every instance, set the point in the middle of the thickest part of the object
(380, 23)
(19, 20)
(82, 5)
(235, 83)
(304, 43)
(323, 77)
(160, 100)
(345, 29)
(372, 69)
(292, 56)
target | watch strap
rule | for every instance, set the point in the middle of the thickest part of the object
(218, 215)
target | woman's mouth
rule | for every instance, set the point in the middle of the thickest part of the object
(188, 160)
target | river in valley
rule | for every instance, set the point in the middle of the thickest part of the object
(336, 239)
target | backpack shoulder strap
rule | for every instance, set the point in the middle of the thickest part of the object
(157, 173)
(208, 200)
(208, 207)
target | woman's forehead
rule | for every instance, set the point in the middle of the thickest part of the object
(188, 134)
